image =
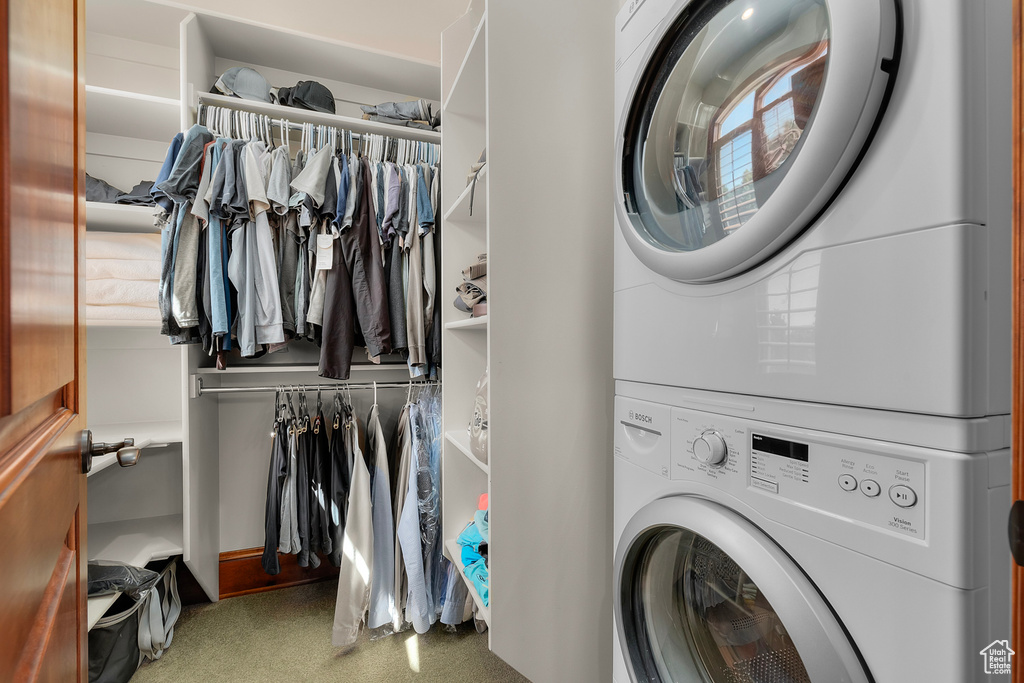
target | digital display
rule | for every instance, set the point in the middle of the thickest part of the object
(786, 449)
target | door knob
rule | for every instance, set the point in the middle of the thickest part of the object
(127, 453)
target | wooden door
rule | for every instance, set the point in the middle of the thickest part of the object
(42, 348)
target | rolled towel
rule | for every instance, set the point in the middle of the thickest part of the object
(109, 292)
(122, 245)
(121, 269)
(133, 313)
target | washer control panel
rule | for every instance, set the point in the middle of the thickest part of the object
(838, 475)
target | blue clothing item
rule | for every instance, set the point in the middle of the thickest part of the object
(215, 244)
(183, 181)
(161, 199)
(424, 209)
(419, 608)
(477, 573)
(483, 524)
(455, 594)
(470, 538)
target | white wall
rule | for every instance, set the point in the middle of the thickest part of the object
(550, 134)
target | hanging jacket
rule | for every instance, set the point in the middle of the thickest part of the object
(382, 587)
(418, 609)
(402, 464)
(337, 489)
(357, 550)
(275, 487)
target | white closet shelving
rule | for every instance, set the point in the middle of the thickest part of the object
(464, 236)
(175, 501)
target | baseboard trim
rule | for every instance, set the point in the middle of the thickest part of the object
(241, 573)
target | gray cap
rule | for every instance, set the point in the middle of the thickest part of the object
(241, 81)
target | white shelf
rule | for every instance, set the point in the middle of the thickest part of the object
(132, 115)
(146, 435)
(295, 115)
(136, 541)
(133, 541)
(468, 324)
(461, 441)
(99, 605)
(96, 322)
(119, 217)
(465, 97)
(459, 211)
(455, 555)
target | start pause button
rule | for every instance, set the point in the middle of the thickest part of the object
(903, 496)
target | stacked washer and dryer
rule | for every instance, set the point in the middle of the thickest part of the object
(812, 340)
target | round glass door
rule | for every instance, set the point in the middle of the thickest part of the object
(721, 116)
(706, 597)
(702, 614)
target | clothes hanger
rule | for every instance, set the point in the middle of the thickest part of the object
(375, 393)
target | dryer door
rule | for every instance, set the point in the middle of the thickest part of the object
(743, 123)
(706, 596)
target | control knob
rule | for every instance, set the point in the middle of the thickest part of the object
(710, 448)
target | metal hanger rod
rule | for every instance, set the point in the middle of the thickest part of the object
(355, 386)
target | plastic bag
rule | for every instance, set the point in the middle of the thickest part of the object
(107, 577)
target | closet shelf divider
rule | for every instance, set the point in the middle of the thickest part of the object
(469, 80)
(295, 115)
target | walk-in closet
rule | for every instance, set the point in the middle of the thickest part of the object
(433, 423)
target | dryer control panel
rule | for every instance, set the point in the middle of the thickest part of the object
(847, 477)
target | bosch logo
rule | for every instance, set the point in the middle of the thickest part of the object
(640, 417)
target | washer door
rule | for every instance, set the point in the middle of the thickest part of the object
(704, 596)
(743, 124)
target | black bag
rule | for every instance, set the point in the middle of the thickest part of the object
(134, 629)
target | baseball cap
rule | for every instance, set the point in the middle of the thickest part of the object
(241, 81)
(308, 95)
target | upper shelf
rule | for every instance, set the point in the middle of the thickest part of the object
(119, 217)
(468, 324)
(467, 94)
(132, 115)
(295, 115)
(471, 197)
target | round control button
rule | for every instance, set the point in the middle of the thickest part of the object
(903, 496)
(870, 488)
(710, 448)
(847, 482)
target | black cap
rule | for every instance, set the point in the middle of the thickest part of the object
(308, 95)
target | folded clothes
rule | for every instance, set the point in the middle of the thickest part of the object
(408, 123)
(121, 269)
(139, 195)
(122, 245)
(413, 110)
(133, 313)
(99, 190)
(109, 292)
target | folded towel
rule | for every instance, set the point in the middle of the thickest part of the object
(121, 269)
(122, 245)
(133, 313)
(117, 292)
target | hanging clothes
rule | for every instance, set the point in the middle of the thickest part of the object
(338, 486)
(400, 478)
(240, 223)
(382, 596)
(275, 489)
(357, 549)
